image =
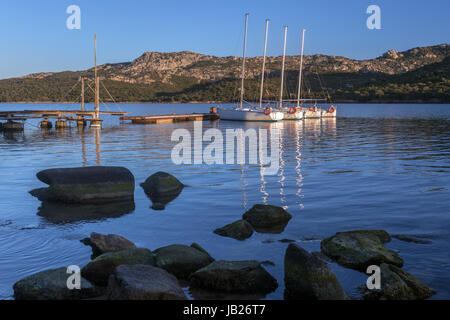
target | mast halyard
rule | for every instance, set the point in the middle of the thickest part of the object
(299, 92)
(243, 61)
(263, 65)
(97, 109)
(282, 67)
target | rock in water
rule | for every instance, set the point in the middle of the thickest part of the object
(162, 188)
(267, 218)
(360, 249)
(181, 260)
(307, 277)
(234, 277)
(239, 230)
(107, 243)
(98, 270)
(397, 284)
(86, 185)
(52, 285)
(143, 282)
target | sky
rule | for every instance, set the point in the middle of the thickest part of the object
(35, 38)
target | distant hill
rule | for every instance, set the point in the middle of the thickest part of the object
(419, 74)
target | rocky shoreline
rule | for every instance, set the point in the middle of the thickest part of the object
(119, 270)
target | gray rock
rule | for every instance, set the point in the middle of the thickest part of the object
(239, 230)
(307, 277)
(86, 185)
(162, 188)
(397, 284)
(360, 249)
(98, 270)
(52, 285)
(234, 277)
(266, 218)
(107, 243)
(143, 282)
(181, 260)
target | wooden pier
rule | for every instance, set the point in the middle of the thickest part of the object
(170, 118)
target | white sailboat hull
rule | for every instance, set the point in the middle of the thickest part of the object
(249, 115)
(292, 116)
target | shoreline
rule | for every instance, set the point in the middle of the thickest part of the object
(231, 102)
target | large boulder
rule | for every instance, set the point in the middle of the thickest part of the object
(239, 230)
(360, 249)
(86, 185)
(52, 285)
(234, 277)
(143, 282)
(101, 243)
(162, 188)
(307, 277)
(266, 218)
(98, 270)
(397, 284)
(181, 260)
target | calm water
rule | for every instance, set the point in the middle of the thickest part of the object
(375, 167)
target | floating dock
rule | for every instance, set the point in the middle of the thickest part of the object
(170, 118)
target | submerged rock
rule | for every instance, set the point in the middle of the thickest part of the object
(143, 282)
(52, 285)
(98, 270)
(181, 260)
(397, 284)
(307, 277)
(266, 218)
(412, 239)
(86, 185)
(234, 277)
(239, 230)
(60, 213)
(101, 243)
(162, 188)
(360, 249)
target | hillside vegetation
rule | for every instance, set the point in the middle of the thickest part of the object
(419, 74)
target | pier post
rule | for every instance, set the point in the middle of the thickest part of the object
(12, 126)
(45, 124)
(60, 124)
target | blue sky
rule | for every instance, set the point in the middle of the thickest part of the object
(34, 37)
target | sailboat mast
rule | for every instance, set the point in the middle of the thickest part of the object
(282, 67)
(263, 65)
(97, 109)
(299, 92)
(82, 94)
(243, 60)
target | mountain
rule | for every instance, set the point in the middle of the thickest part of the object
(416, 74)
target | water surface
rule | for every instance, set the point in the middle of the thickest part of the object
(375, 167)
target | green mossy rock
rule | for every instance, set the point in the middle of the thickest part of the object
(162, 188)
(360, 249)
(239, 230)
(98, 270)
(397, 284)
(52, 285)
(234, 277)
(143, 282)
(266, 218)
(181, 260)
(86, 185)
(307, 277)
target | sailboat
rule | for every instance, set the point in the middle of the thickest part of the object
(249, 113)
(289, 113)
